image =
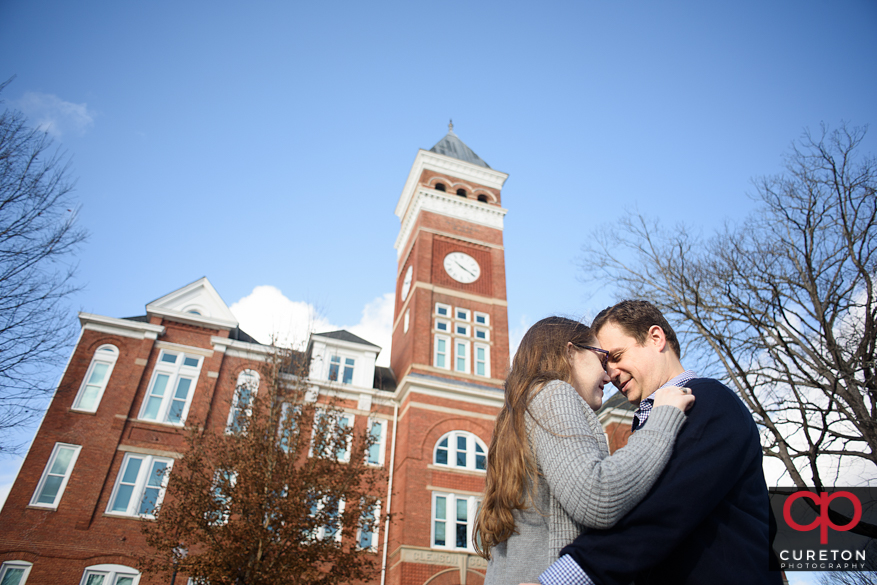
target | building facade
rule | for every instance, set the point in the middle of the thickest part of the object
(133, 385)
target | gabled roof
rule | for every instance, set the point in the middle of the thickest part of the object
(196, 303)
(616, 402)
(347, 336)
(452, 146)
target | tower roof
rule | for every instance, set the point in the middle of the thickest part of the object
(452, 146)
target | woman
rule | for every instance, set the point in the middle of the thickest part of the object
(549, 472)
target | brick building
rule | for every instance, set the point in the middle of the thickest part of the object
(132, 385)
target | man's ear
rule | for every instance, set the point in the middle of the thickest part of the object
(657, 337)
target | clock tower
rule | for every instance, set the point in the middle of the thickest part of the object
(451, 316)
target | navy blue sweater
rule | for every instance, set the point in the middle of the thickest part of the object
(706, 518)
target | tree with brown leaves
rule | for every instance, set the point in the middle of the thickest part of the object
(283, 494)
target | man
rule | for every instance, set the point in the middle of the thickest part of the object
(706, 520)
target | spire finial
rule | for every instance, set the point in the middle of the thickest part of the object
(451, 126)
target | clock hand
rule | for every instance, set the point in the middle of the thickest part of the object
(464, 268)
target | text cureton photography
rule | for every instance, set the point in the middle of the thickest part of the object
(825, 530)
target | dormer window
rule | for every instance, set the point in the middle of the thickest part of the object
(461, 192)
(341, 368)
(440, 187)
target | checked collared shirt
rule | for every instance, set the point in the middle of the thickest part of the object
(565, 571)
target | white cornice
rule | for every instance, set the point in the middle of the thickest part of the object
(243, 349)
(191, 319)
(344, 344)
(440, 163)
(450, 205)
(123, 327)
(448, 389)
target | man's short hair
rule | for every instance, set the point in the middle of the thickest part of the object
(636, 318)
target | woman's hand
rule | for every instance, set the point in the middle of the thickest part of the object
(681, 398)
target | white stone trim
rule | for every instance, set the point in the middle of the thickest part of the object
(122, 327)
(451, 206)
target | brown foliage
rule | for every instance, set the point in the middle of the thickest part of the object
(262, 505)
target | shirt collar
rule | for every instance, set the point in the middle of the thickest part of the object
(679, 380)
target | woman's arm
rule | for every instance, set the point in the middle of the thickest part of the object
(596, 491)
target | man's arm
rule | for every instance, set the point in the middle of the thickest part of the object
(712, 450)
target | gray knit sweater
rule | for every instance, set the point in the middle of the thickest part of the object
(579, 483)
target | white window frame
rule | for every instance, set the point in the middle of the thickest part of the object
(320, 531)
(222, 498)
(476, 361)
(465, 329)
(105, 355)
(465, 312)
(466, 357)
(251, 379)
(471, 451)
(140, 484)
(448, 311)
(380, 443)
(451, 499)
(444, 322)
(447, 353)
(342, 368)
(34, 501)
(111, 574)
(286, 409)
(406, 320)
(345, 457)
(373, 546)
(485, 323)
(486, 333)
(11, 565)
(175, 372)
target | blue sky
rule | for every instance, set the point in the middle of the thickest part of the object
(265, 145)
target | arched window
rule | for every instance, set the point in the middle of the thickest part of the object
(245, 389)
(483, 198)
(96, 378)
(461, 449)
(461, 192)
(110, 575)
(14, 572)
(440, 187)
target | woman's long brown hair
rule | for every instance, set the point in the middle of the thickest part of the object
(511, 469)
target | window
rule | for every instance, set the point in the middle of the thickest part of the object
(440, 187)
(482, 334)
(461, 449)
(482, 360)
(482, 198)
(376, 450)
(406, 321)
(461, 192)
(55, 476)
(332, 434)
(223, 486)
(442, 325)
(328, 513)
(442, 310)
(96, 378)
(461, 329)
(462, 314)
(110, 575)
(369, 526)
(286, 427)
(441, 358)
(461, 356)
(341, 367)
(140, 486)
(453, 517)
(482, 319)
(245, 389)
(14, 572)
(172, 387)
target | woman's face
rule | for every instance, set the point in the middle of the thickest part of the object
(588, 376)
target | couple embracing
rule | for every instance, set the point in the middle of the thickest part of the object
(685, 502)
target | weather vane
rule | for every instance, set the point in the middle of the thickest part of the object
(451, 125)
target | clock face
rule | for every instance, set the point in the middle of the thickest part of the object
(462, 267)
(406, 284)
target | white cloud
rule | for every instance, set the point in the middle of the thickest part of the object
(267, 313)
(53, 115)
